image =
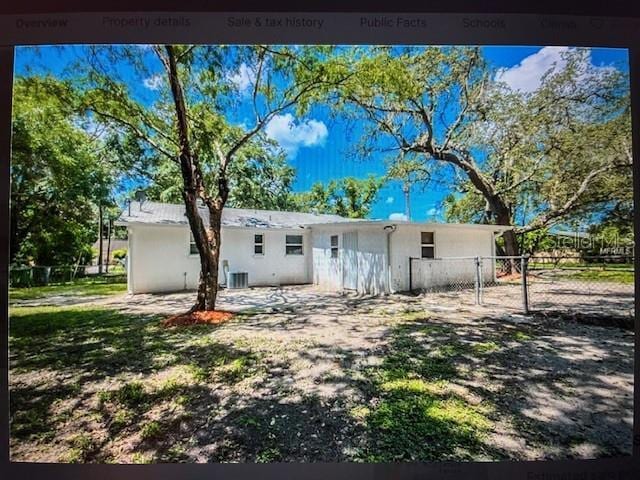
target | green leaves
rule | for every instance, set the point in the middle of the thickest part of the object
(57, 175)
(347, 197)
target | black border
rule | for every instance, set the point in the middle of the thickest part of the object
(611, 8)
(615, 468)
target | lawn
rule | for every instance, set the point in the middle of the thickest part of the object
(81, 287)
(361, 382)
(616, 273)
(597, 275)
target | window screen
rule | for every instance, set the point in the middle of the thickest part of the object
(293, 245)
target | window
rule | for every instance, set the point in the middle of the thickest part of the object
(258, 244)
(193, 249)
(427, 244)
(334, 246)
(293, 245)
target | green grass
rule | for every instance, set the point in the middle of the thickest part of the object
(579, 265)
(268, 455)
(596, 272)
(595, 275)
(520, 336)
(151, 430)
(416, 417)
(80, 287)
(410, 411)
(83, 344)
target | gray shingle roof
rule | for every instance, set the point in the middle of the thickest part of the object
(172, 214)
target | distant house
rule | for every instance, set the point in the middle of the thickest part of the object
(279, 248)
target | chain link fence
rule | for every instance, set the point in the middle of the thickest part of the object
(587, 286)
(38, 276)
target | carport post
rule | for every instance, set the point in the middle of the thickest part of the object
(525, 290)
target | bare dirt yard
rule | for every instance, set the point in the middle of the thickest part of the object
(303, 375)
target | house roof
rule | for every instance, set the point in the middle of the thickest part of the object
(425, 225)
(154, 213)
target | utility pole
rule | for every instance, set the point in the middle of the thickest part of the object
(406, 188)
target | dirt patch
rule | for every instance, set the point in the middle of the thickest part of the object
(509, 277)
(611, 321)
(198, 318)
(316, 377)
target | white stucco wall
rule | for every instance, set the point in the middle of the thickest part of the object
(371, 258)
(449, 242)
(159, 259)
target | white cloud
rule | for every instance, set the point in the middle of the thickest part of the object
(432, 212)
(527, 75)
(244, 78)
(390, 200)
(153, 83)
(291, 135)
(398, 217)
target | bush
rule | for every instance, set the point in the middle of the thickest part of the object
(120, 253)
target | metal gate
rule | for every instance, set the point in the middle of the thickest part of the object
(350, 260)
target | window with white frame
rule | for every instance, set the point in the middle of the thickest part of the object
(427, 244)
(258, 244)
(193, 248)
(293, 245)
(334, 246)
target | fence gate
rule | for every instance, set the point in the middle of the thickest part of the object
(350, 260)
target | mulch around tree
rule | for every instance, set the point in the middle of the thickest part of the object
(214, 317)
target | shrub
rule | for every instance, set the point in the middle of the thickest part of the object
(120, 253)
(150, 430)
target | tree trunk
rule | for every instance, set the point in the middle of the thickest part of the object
(207, 239)
(497, 205)
(100, 252)
(209, 264)
(108, 245)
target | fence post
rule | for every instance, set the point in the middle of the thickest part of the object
(478, 280)
(525, 289)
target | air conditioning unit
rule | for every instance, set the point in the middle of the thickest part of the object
(238, 280)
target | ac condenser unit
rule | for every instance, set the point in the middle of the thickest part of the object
(238, 280)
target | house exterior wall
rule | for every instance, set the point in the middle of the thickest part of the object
(371, 259)
(449, 242)
(275, 267)
(159, 259)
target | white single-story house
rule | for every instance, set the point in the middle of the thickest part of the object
(280, 248)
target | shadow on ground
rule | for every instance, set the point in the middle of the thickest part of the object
(316, 379)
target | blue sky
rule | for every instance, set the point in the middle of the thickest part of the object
(318, 145)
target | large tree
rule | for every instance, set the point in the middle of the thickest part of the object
(259, 178)
(348, 197)
(190, 121)
(59, 176)
(554, 146)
